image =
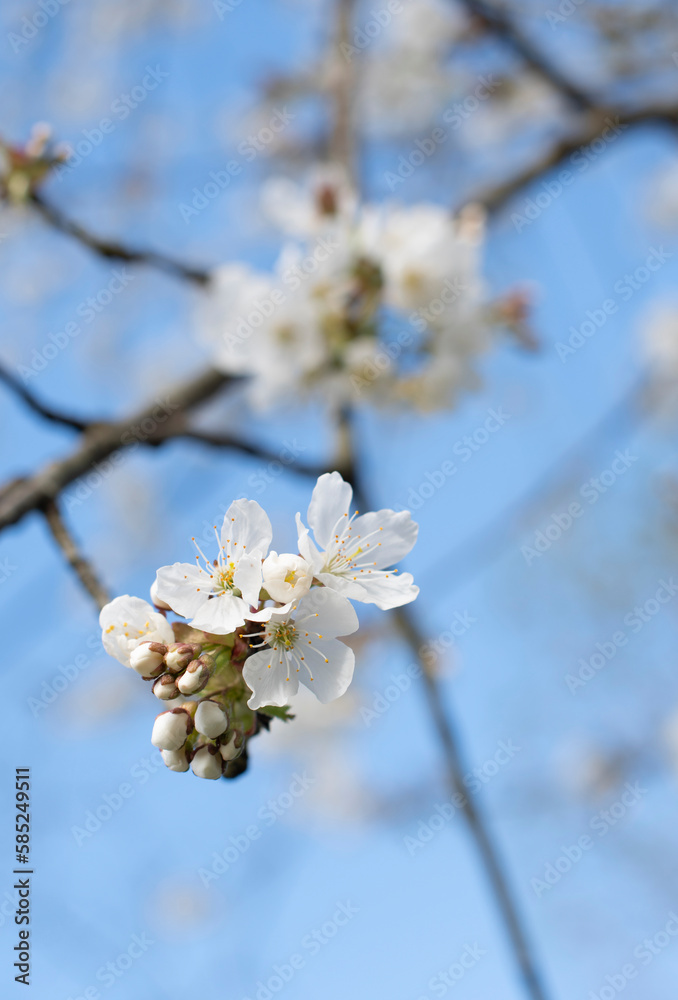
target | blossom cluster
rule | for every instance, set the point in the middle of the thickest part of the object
(383, 303)
(255, 623)
(22, 168)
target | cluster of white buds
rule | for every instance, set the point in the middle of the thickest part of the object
(199, 736)
(257, 624)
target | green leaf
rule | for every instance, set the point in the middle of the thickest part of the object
(277, 712)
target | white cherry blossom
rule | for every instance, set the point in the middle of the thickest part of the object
(302, 647)
(218, 598)
(353, 554)
(287, 577)
(128, 621)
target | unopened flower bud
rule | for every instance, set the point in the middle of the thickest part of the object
(210, 719)
(158, 601)
(165, 687)
(196, 675)
(148, 658)
(180, 654)
(171, 729)
(206, 764)
(229, 750)
(175, 760)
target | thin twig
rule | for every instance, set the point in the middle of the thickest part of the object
(227, 441)
(42, 409)
(112, 250)
(343, 135)
(495, 195)
(450, 741)
(101, 441)
(80, 566)
(502, 24)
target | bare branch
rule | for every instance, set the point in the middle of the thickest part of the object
(443, 721)
(81, 567)
(442, 717)
(502, 24)
(42, 409)
(101, 441)
(495, 197)
(228, 441)
(111, 250)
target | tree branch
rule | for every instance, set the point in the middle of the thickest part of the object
(502, 25)
(42, 409)
(494, 197)
(451, 744)
(81, 567)
(101, 441)
(111, 250)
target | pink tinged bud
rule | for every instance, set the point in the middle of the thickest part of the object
(206, 764)
(175, 760)
(158, 601)
(148, 658)
(165, 687)
(195, 677)
(171, 729)
(180, 654)
(229, 750)
(210, 719)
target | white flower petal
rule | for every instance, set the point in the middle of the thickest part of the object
(221, 615)
(247, 577)
(330, 501)
(331, 666)
(126, 621)
(326, 612)
(307, 548)
(246, 527)
(388, 590)
(184, 586)
(344, 585)
(390, 544)
(266, 674)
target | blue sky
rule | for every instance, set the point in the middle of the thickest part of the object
(370, 786)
